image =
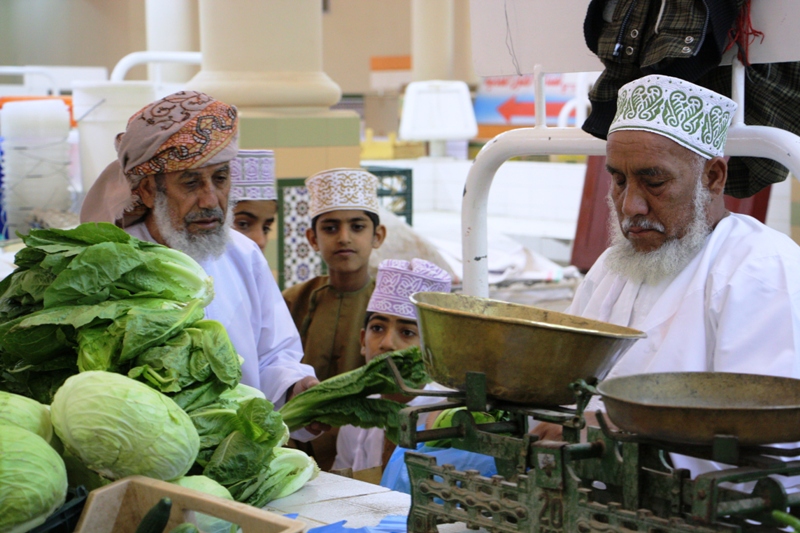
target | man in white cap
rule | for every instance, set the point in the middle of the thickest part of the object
(713, 290)
(391, 324)
(170, 184)
(253, 191)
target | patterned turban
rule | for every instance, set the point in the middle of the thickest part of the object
(182, 131)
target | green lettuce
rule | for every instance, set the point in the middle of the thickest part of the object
(345, 399)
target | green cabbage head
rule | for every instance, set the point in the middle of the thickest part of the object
(120, 427)
(28, 414)
(33, 480)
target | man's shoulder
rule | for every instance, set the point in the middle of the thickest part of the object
(745, 237)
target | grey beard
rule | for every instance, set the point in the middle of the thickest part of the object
(199, 247)
(667, 261)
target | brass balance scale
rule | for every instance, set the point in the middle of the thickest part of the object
(530, 363)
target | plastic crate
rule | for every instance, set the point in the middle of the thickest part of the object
(66, 517)
(120, 507)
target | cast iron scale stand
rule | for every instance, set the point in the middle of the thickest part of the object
(613, 482)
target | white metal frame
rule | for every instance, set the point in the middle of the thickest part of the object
(757, 141)
(152, 56)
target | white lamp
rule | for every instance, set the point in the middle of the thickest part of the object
(437, 111)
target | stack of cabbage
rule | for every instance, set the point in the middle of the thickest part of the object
(110, 331)
(33, 479)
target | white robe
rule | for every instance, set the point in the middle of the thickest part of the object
(250, 306)
(734, 308)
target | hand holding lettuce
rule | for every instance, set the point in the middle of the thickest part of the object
(344, 399)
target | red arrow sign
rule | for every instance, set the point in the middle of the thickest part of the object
(511, 108)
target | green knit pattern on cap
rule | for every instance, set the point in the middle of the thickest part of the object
(692, 116)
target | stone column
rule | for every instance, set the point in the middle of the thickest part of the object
(172, 26)
(432, 25)
(463, 65)
(264, 54)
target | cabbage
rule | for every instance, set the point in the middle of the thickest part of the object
(204, 484)
(207, 523)
(120, 427)
(33, 480)
(28, 414)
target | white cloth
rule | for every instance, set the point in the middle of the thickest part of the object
(734, 308)
(360, 448)
(250, 306)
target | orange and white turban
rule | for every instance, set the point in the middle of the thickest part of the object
(182, 131)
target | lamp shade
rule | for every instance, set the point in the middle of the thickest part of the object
(437, 111)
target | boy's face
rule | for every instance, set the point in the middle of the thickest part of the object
(345, 239)
(254, 218)
(387, 333)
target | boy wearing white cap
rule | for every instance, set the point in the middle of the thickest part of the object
(329, 310)
(391, 324)
(253, 191)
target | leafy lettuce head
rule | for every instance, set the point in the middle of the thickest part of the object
(120, 427)
(33, 479)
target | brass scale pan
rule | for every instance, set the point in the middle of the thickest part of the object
(530, 356)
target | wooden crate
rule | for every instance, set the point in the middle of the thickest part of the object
(120, 506)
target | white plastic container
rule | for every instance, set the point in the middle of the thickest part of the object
(102, 110)
(36, 160)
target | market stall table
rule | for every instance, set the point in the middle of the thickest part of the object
(331, 498)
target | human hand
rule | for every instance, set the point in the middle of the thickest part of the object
(548, 431)
(315, 428)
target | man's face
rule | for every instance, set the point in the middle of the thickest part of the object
(197, 199)
(653, 185)
(345, 239)
(189, 209)
(254, 218)
(388, 333)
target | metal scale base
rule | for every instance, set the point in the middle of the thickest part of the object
(612, 482)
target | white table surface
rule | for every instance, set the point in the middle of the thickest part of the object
(330, 498)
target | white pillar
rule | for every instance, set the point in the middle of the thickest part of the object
(172, 26)
(264, 54)
(463, 65)
(432, 23)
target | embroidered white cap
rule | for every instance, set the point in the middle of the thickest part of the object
(342, 188)
(398, 279)
(253, 175)
(692, 116)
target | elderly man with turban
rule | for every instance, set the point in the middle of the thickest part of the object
(170, 184)
(714, 291)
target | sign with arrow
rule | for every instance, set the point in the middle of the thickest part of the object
(509, 100)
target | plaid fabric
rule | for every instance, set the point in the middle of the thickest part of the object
(772, 98)
(772, 91)
(680, 38)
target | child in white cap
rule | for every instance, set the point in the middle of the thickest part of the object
(391, 324)
(253, 191)
(329, 310)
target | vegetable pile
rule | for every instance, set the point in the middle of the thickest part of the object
(110, 330)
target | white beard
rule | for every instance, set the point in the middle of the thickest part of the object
(667, 261)
(198, 246)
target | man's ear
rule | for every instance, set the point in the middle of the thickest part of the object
(379, 236)
(147, 191)
(311, 235)
(716, 171)
(363, 343)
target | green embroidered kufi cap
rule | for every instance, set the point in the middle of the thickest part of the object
(690, 115)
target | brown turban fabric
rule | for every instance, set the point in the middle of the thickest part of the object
(182, 131)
